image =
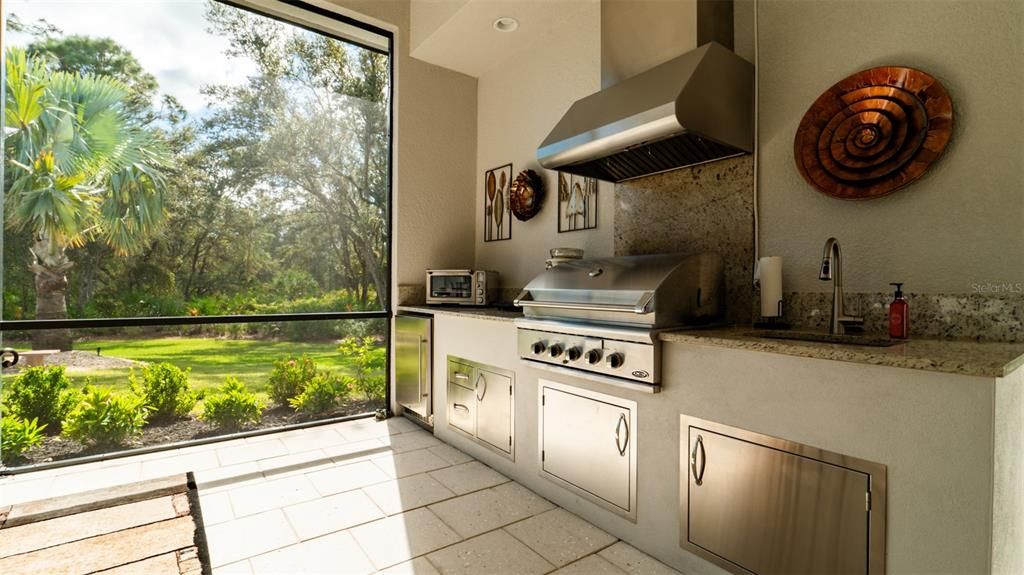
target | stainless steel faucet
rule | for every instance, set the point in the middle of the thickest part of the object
(832, 269)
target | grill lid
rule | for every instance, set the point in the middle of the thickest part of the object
(655, 291)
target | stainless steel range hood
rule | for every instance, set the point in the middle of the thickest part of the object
(693, 109)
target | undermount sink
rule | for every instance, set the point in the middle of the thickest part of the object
(848, 339)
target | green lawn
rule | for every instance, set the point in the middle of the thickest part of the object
(210, 359)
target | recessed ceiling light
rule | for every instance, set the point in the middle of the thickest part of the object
(506, 24)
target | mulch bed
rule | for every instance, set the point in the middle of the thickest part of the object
(80, 360)
(55, 448)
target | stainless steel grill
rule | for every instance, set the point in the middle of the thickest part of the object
(601, 316)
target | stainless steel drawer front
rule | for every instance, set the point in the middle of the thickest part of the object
(461, 408)
(461, 374)
(758, 504)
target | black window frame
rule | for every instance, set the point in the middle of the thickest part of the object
(385, 313)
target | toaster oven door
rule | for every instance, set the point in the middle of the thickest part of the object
(450, 288)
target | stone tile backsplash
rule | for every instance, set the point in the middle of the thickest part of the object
(706, 208)
(980, 317)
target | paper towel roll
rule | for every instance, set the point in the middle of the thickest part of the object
(769, 275)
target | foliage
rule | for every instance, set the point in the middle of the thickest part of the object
(165, 389)
(85, 55)
(322, 394)
(82, 169)
(78, 169)
(292, 284)
(369, 358)
(290, 377)
(233, 406)
(43, 394)
(106, 418)
(18, 435)
(203, 215)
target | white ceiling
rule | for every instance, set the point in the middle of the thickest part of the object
(459, 34)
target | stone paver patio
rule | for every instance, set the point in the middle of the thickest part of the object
(360, 497)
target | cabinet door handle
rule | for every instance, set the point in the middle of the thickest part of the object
(619, 444)
(460, 375)
(459, 406)
(698, 475)
(476, 387)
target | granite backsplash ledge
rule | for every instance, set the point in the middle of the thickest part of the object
(707, 208)
(979, 317)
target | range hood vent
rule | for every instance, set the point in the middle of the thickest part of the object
(693, 109)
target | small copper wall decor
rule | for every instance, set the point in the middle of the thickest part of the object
(526, 195)
(873, 133)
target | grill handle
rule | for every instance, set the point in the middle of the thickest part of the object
(641, 307)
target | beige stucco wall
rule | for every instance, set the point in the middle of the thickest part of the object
(960, 224)
(436, 140)
(518, 104)
(637, 35)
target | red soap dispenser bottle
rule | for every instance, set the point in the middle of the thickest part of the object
(898, 311)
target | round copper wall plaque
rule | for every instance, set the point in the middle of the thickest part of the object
(873, 133)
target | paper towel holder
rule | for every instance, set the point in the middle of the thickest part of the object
(770, 320)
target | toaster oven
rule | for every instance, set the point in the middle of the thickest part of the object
(462, 287)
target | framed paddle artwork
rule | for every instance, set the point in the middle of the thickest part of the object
(497, 214)
(577, 203)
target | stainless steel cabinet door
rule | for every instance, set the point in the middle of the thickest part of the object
(461, 408)
(588, 444)
(494, 409)
(755, 508)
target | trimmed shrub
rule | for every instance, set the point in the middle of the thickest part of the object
(369, 359)
(165, 389)
(106, 418)
(290, 377)
(323, 394)
(43, 394)
(233, 406)
(18, 435)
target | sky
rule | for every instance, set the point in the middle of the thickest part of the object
(168, 37)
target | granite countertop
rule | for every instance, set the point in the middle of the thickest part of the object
(986, 359)
(491, 313)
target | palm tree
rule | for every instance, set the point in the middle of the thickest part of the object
(77, 169)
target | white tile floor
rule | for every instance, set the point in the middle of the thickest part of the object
(360, 497)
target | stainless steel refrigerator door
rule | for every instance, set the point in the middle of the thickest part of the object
(412, 364)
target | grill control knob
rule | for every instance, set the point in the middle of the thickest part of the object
(615, 360)
(573, 353)
(538, 347)
(556, 350)
(593, 356)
